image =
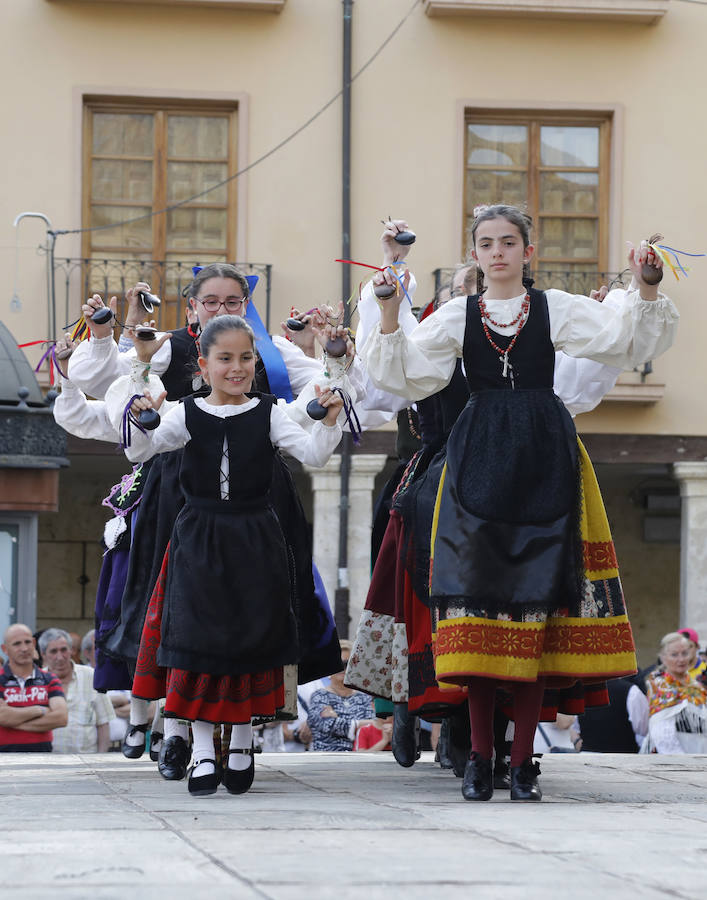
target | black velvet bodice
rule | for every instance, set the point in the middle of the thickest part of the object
(532, 357)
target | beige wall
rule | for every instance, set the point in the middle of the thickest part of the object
(407, 135)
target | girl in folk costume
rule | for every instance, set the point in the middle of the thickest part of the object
(392, 655)
(217, 289)
(524, 584)
(220, 625)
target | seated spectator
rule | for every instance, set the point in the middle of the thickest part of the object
(119, 699)
(89, 712)
(31, 701)
(296, 734)
(75, 644)
(677, 703)
(375, 735)
(620, 727)
(560, 736)
(697, 666)
(337, 712)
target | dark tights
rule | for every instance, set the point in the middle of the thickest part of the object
(527, 701)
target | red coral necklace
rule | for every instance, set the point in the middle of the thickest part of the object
(519, 321)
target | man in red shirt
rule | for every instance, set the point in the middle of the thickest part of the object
(31, 700)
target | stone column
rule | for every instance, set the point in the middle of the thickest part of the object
(364, 468)
(693, 545)
(325, 491)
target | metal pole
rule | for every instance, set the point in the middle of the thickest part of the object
(51, 240)
(341, 597)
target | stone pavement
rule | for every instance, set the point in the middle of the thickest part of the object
(338, 826)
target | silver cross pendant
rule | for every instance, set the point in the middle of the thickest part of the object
(507, 368)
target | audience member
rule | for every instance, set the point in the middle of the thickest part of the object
(75, 643)
(677, 703)
(31, 701)
(620, 727)
(375, 735)
(697, 665)
(560, 736)
(337, 712)
(297, 734)
(89, 712)
(119, 699)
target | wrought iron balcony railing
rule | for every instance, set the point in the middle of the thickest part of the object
(75, 279)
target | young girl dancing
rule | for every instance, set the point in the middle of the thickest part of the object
(524, 582)
(220, 626)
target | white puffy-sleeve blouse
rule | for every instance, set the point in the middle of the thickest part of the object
(623, 336)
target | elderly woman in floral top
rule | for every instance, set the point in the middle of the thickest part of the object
(336, 713)
(677, 704)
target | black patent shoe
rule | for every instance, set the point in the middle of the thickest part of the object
(203, 785)
(173, 759)
(130, 752)
(238, 781)
(156, 739)
(501, 775)
(406, 728)
(459, 746)
(524, 781)
(478, 778)
(442, 754)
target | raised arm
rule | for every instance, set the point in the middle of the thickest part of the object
(420, 364)
(626, 330)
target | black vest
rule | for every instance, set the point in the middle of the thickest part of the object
(532, 357)
(250, 453)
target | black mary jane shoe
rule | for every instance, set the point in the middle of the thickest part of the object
(404, 741)
(459, 746)
(156, 739)
(524, 781)
(173, 759)
(478, 778)
(238, 781)
(502, 775)
(203, 785)
(130, 752)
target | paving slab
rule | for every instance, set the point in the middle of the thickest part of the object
(319, 826)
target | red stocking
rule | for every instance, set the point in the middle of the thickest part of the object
(527, 702)
(482, 700)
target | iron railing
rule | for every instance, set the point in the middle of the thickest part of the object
(75, 279)
(571, 281)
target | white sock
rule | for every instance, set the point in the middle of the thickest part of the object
(241, 738)
(203, 747)
(176, 728)
(138, 716)
(158, 718)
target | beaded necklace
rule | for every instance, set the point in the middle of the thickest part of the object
(519, 321)
(192, 332)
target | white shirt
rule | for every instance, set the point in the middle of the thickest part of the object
(310, 448)
(422, 363)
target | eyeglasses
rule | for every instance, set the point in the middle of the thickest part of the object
(458, 292)
(232, 304)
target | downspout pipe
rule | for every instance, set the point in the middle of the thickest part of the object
(341, 597)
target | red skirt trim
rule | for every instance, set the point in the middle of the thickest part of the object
(192, 695)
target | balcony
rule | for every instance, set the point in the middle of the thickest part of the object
(274, 6)
(75, 279)
(641, 12)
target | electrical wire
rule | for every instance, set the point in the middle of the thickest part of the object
(264, 156)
